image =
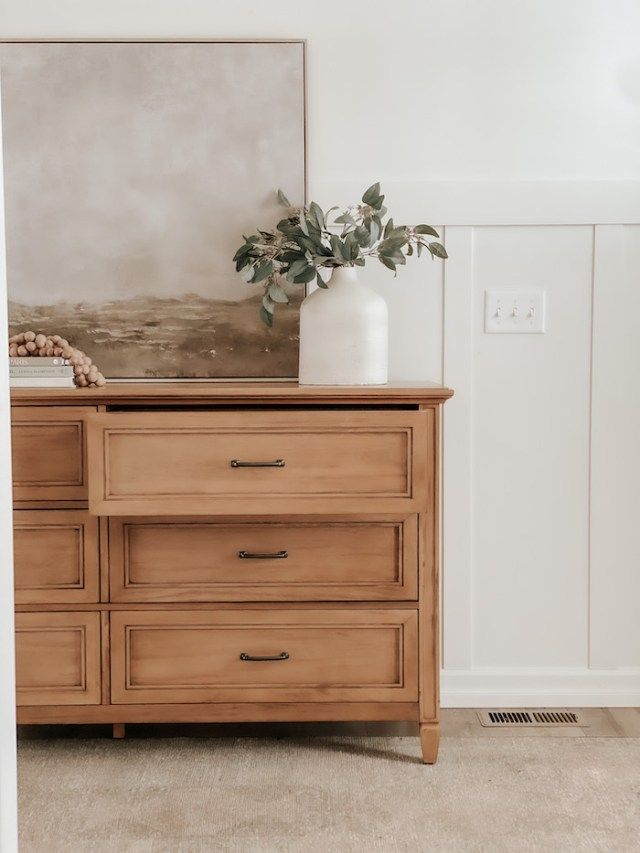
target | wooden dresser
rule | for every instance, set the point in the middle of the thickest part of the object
(227, 552)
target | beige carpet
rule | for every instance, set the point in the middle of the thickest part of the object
(330, 794)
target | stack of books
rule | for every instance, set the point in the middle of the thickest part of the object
(40, 372)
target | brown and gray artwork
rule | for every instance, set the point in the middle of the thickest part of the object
(131, 173)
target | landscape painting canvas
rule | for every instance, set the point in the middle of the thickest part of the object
(131, 172)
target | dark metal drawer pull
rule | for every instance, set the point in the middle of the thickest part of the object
(248, 555)
(281, 656)
(275, 463)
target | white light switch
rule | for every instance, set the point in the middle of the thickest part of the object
(514, 311)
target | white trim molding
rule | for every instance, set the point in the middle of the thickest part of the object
(522, 687)
(457, 421)
(476, 203)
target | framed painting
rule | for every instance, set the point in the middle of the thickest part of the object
(132, 169)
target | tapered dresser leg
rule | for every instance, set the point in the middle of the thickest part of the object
(118, 730)
(429, 740)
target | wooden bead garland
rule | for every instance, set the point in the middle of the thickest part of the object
(85, 371)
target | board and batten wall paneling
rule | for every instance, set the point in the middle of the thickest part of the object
(615, 450)
(530, 452)
(541, 556)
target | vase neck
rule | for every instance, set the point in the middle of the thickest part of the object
(343, 275)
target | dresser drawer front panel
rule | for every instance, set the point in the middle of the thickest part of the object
(55, 557)
(48, 450)
(237, 463)
(190, 559)
(195, 656)
(58, 658)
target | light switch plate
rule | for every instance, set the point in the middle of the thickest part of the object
(514, 312)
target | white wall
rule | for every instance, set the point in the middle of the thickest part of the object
(421, 89)
(517, 126)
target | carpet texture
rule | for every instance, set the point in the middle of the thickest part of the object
(329, 794)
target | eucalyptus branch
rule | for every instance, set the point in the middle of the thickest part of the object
(303, 242)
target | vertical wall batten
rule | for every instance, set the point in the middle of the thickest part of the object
(457, 475)
(615, 450)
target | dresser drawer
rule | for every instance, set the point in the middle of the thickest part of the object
(193, 559)
(48, 452)
(55, 556)
(58, 658)
(317, 656)
(223, 463)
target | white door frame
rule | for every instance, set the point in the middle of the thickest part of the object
(8, 774)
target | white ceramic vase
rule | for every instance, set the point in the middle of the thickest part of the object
(344, 333)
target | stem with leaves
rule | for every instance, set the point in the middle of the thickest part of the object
(308, 240)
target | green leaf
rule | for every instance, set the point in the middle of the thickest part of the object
(322, 250)
(242, 252)
(351, 245)
(409, 250)
(284, 201)
(387, 263)
(321, 282)
(344, 219)
(399, 231)
(291, 255)
(317, 216)
(268, 303)
(304, 227)
(426, 229)
(373, 198)
(315, 234)
(438, 250)
(242, 260)
(277, 293)
(372, 194)
(375, 229)
(310, 246)
(388, 228)
(340, 251)
(242, 263)
(305, 276)
(266, 316)
(362, 235)
(296, 268)
(394, 255)
(290, 230)
(359, 262)
(391, 244)
(262, 272)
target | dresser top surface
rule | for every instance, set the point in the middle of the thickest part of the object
(231, 392)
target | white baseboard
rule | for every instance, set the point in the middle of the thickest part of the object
(518, 688)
